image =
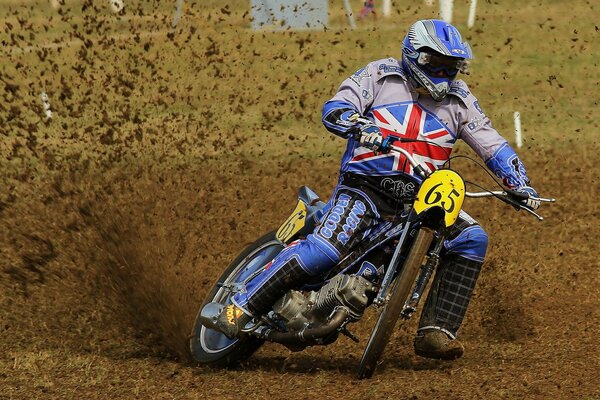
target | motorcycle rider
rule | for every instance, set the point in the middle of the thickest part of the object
(417, 97)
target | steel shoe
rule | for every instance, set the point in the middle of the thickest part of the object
(434, 343)
(228, 320)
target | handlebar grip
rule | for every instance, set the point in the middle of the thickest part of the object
(514, 198)
(517, 194)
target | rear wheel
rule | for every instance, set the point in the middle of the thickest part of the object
(399, 294)
(208, 346)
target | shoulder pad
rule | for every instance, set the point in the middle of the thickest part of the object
(361, 74)
(386, 67)
(460, 89)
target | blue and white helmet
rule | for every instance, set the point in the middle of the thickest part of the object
(433, 52)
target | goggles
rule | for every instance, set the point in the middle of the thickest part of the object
(435, 64)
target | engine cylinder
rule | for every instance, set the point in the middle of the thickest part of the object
(303, 309)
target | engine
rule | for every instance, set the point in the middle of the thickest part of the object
(312, 308)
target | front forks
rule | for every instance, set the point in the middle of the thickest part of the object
(433, 259)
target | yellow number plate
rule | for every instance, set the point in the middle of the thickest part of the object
(445, 189)
(293, 224)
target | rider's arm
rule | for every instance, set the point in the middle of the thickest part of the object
(337, 117)
(505, 163)
(354, 96)
(476, 129)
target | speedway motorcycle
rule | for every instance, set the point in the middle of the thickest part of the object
(390, 271)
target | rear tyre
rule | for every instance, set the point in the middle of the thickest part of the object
(211, 347)
(399, 294)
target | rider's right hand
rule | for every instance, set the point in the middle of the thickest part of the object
(372, 138)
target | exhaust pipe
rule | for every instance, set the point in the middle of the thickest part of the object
(308, 335)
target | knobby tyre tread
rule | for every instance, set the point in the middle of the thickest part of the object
(399, 294)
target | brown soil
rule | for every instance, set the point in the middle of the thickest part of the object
(102, 277)
(168, 154)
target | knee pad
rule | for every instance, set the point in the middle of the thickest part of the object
(471, 243)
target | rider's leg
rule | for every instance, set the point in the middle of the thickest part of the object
(296, 264)
(350, 217)
(451, 291)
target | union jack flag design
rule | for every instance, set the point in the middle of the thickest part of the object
(409, 121)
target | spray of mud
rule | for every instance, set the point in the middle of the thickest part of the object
(135, 253)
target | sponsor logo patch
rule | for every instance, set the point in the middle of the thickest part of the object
(398, 188)
(391, 68)
(348, 225)
(359, 75)
(356, 214)
(368, 271)
(459, 91)
(232, 313)
(473, 124)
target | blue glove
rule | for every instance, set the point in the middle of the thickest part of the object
(529, 202)
(372, 138)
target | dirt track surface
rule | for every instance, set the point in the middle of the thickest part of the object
(118, 215)
(100, 300)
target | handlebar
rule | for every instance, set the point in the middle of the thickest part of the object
(422, 170)
(512, 197)
(509, 196)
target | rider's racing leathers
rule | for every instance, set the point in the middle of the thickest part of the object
(372, 187)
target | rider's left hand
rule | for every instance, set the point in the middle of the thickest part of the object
(531, 201)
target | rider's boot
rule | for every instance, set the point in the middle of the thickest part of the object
(262, 295)
(445, 308)
(434, 343)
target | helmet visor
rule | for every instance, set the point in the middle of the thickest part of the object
(439, 65)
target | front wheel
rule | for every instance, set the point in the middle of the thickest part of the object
(208, 346)
(399, 294)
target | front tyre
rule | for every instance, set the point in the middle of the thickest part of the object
(208, 346)
(399, 294)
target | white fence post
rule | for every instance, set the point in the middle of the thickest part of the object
(116, 5)
(46, 104)
(177, 15)
(471, 20)
(518, 138)
(387, 8)
(349, 14)
(446, 8)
